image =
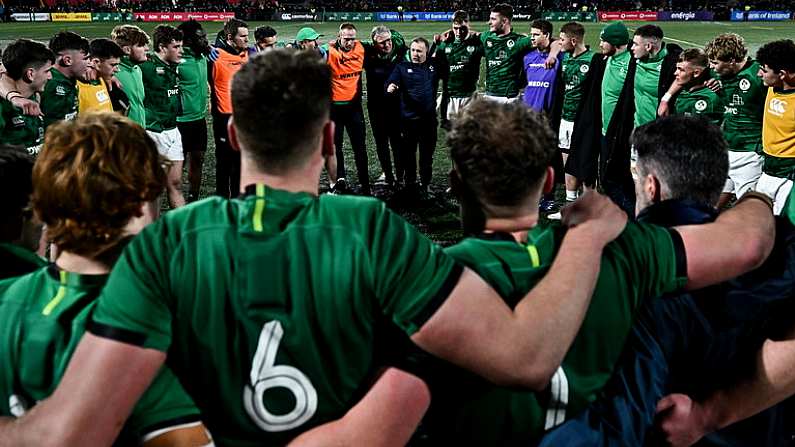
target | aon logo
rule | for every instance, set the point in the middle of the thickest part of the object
(265, 376)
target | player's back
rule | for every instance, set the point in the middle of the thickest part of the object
(269, 305)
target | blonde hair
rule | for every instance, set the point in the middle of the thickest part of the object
(726, 47)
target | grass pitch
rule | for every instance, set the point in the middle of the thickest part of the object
(436, 217)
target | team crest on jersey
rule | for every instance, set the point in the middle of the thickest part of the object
(17, 121)
(745, 84)
(510, 43)
(584, 68)
(448, 50)
(489, 44)
(60, 90)
(701, 105)
(102, 96)
(160, 70)
(470, 49)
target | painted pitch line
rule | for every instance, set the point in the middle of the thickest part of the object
(763, 27)
(677, 40)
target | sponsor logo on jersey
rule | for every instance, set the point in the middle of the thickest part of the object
(543, 84)
(745, 84)
(160, 70)
(173, 92)
(448, 50)
(60, 90)
(536, 66)
(18, 121)
(701, 105)
(495, 63)
(510, 43)
(777, 107)
(584, 68)
(70, 116)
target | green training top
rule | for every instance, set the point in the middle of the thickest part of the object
(647, 87)
(42, 318)
(161, 87)
(700, 102)
(132, 82)
(463, 57)
(289, 290)
(59, 99)
(19, 129)
(612, 84)
(642, 262)
(744, 97)
(575, 70)
(17, 261)
(193, 86)
(504, 62)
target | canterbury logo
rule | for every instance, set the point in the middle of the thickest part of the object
(777, 106)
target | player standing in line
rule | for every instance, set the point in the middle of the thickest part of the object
(232, 52)
(576, 64)
(20, 231)
(106, 169)
(692, 72)
(744, 97)
(346, 59)
(262, 319)
(135, 44)
(264, 39)
(162, 103)
(193, 90)
(501, 157)
(28, 67)
(503, 49)
(460, 53)
(93, 94)
(777, 71)
(59, 99)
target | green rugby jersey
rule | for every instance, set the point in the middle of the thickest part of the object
(463, 58)
(268, 305)
(132, 82)
(612, 84)
(504, 62)
(647, 87)
(193, 87)
(700, 102)
(744, 98)
(19, 129)
(644, 261)
(59, 99)
(161, 88)
(42, 318)
(575, 70)
(17, 261)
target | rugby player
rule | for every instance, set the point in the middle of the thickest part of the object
(503, 50)
(92, 183)
(135, 44)
(217, 285)
(28, 67)
(59, 99)
(94, 94)
(461, 51)
(692, 72)
(162, 104)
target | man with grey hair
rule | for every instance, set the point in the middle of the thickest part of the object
(380, 57)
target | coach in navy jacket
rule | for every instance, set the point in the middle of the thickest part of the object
(416, 83)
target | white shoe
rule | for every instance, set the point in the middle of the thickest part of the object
(555, 216)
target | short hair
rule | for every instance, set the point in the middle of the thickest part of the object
(501, 152)
(129, 35)
(67, 40)
(23, 54)
(380, 30)
(544, 25)
(164, 35)
(504, 10)
(232, 26)
(264, 32)
(423, 41)
(91, 177)
(280, 102)
(695, 56)
(16, 169)
(650, 32)
(460, 17)
(105, 49)
(190, 29)
(778, 55)
(347, 25)
(688, 154)
(573, 29)
(726, 47)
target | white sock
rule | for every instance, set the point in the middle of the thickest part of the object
(571, 196)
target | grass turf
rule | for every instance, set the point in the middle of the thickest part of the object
(436, 217)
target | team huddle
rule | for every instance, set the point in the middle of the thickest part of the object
(273, 314)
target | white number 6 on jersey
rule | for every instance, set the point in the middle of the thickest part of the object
(265, 375)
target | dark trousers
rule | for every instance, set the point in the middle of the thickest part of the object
(420, 132)
(350, 117)
(227, 160)
(384, 119)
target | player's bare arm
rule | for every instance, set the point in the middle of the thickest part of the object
(189, 435)
(475, 329)
(737, 242)
(93, 411)
(387, 415)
